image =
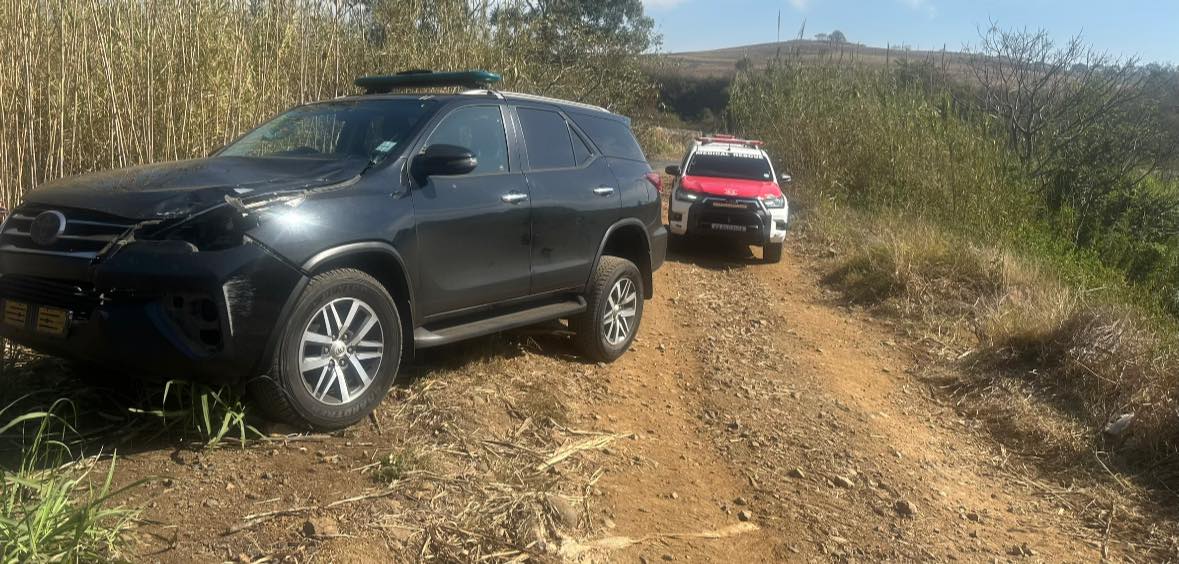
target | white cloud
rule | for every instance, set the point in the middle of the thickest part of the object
(800, 5)
(661, 4)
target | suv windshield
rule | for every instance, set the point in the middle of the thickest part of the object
(335, 130)
(729, 166)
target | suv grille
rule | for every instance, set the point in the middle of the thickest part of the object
(85, 233)
(76, 297)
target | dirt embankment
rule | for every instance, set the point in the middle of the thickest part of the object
(756, 420)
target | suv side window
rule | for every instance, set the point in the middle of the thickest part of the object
(613, 137)
(480, 129)
(546, 136)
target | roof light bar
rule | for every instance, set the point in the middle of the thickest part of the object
(427, 79)
(730, 139)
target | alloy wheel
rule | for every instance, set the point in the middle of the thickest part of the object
(341, 351)
(618, 321)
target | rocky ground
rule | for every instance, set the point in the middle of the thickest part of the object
(757, 419)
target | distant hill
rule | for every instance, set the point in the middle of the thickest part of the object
(723, 62)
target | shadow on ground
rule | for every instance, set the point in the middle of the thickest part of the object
(713, 254)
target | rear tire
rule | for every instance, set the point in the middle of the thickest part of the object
(337, 356)
(771, 252)
(611, 319)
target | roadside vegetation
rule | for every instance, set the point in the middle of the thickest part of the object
(1017, 215)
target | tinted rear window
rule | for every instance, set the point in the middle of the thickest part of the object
(546, 136)
(611, 136)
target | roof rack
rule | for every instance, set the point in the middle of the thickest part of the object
(548, 100)
(427, 79)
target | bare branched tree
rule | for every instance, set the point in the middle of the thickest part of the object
(1047, 94)
(1082, 122)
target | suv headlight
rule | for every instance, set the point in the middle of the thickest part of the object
(774, 202)
(215, 230)
(685, 195)
(222, 227)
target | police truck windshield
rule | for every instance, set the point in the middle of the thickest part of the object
(730, 166)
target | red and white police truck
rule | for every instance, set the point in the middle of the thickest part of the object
(727, 187)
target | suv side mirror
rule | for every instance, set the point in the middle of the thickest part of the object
(445, 160)
(787, 178)
(673, 170)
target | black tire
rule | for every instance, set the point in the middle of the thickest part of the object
(283, 394)
(590, 334)
(771, 252)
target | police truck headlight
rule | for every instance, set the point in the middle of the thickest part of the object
(774, 202)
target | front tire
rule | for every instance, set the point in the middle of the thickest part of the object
(611, 319)
(338, 354)
(771, 253)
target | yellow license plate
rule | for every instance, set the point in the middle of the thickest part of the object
(16, 313)
(52, 321)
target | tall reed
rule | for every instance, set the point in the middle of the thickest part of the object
(92, 84)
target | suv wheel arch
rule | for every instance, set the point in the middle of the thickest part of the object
(380, 260)
(628, 239)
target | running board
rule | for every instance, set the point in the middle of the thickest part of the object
(425, 338)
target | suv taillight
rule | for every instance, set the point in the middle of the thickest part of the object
(656, 181)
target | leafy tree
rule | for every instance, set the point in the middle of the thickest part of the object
(837, 37)
(591, 48)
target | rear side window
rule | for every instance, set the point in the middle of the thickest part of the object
(581, 151)
(613, 137)
(546, 136)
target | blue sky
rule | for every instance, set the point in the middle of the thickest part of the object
(1147, 28)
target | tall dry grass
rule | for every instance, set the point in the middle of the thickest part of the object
(1047, 365)
(89, 84)
(93, 84)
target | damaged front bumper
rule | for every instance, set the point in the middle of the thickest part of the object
(159, 308)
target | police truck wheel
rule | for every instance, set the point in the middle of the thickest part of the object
(771, 252)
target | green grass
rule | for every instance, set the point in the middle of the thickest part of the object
(52, 506)
(212, 414)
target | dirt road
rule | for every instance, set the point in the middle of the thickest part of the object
(766, 422)
(755, 392)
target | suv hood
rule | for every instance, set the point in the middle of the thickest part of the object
(731, 187)
(176, 189)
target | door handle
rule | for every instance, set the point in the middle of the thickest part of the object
(514, 197)
(604, 190)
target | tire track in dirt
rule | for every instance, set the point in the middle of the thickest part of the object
(750, 382)
(670, 480)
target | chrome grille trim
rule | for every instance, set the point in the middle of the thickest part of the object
(86, 233)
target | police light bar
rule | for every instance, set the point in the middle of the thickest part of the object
(427, 79)
(720, 138)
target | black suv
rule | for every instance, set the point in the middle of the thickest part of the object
(311, 256)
